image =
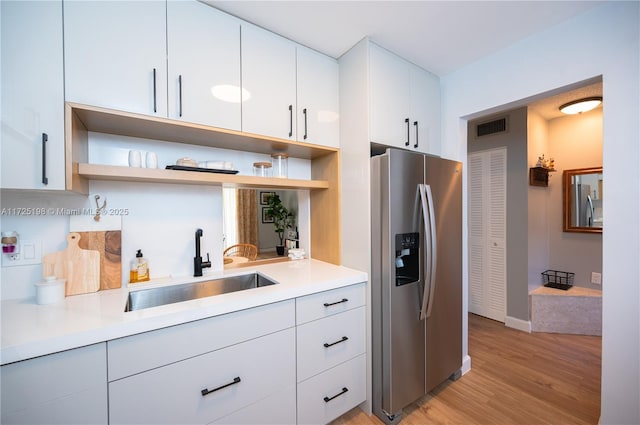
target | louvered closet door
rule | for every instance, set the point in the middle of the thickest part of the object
(487, 188)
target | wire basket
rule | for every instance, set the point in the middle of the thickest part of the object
(557, 279)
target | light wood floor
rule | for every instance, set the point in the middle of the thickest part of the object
(516, 379)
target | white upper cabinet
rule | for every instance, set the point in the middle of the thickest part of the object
(318, 104)
(268, 83)
(389, 106)
(405, 103)
(203, 65)
(32, 95)
(115, 55)
(424, 109)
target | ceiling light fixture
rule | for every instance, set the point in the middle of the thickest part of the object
(581, 105)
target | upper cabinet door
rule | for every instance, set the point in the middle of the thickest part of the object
(115, 55)
(32, 95)
(203, 65)
(268, 83)
(390, 120)
(318, 103)
(425, 110)
(405, 103)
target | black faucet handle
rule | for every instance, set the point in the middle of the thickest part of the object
(207, 263)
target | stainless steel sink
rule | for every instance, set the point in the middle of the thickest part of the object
(154, 297)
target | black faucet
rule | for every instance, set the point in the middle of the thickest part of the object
(198, 264)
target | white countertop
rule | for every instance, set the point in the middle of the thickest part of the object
(30, 330)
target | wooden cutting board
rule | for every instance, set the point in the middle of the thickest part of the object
(108, 244)
(80, 267)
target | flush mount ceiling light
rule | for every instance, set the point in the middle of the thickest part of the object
(581, 105)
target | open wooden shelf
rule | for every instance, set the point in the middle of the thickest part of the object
(150, 175)
(324, 188)
(102, 120)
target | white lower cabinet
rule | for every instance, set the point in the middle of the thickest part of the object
(69, 387)
(277, 409)
(330, 394)
(202, 389)
(323, 344)
(252, 366)
(331, 359)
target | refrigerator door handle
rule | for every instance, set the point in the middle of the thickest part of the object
(428, 215)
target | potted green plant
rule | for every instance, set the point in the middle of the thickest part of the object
(282, 219)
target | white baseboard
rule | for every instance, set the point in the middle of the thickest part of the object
(466, 365)
(519, 324)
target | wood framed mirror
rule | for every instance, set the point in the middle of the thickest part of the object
(582, 200)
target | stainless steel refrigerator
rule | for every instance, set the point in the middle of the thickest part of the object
(416, 277)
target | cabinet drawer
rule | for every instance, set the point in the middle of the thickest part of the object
(277, 409)
(66, 387)
(327, 303)
(325, 343)
(138, 353)
(332, 393)
(174, 393)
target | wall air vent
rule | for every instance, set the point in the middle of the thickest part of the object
(491, 127)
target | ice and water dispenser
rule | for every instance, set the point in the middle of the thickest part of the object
(407, 258)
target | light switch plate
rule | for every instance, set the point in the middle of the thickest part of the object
(29, 253)
(596, 278)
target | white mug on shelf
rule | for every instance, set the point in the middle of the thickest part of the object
(135, 159)
(151, 160)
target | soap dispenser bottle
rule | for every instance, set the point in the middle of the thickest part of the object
(139, 271)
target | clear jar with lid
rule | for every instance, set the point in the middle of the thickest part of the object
(279, 163)
(262, 169)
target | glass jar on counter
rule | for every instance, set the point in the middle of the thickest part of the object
(279, 163)
(262, 169)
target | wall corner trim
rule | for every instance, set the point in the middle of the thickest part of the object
(466, 364)
(519, 324)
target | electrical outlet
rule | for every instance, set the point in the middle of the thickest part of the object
(28, 253)
(596, 278)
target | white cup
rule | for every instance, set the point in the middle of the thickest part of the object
(151, 160)
(135, 159)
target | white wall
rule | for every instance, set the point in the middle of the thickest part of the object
(603, 41)
(538, 212)
(575, 142)
(161, 220)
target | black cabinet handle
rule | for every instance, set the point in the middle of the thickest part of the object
(304, 111)
(208, 391)
(180, 94)
(328, 399)
(344, 300)
(343, 339)
(155, 106)
(408, 129)
(290, 120)
(45, 139)
(415, 123)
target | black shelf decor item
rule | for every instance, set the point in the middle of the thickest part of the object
(558, 279)
(200, 169)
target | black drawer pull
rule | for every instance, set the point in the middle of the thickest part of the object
(208, 391)
(45, 139)
(304, 111)
(328, 399)
(327, 345)
(155, 98)
(290, 120)
(180, 93)
(344, 300)
(408, 129)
